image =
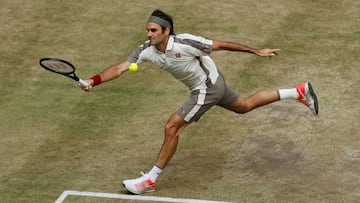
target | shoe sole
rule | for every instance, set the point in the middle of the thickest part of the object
(130, 190)
(135, 192)
(313, 95)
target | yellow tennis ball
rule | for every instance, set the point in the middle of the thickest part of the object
(133, 67)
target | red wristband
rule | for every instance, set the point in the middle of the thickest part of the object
(96, 79)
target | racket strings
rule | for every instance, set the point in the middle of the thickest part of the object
(58, 66)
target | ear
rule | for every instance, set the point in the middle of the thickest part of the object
(167, 30)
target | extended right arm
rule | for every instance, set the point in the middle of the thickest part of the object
(108, 74)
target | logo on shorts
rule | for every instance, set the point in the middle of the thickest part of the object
(182, 111)
(177, 55)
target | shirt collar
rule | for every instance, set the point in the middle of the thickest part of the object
(170, 43)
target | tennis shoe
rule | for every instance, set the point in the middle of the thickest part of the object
(140, 185)
(308, 97)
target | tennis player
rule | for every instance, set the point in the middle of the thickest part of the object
(186, 57)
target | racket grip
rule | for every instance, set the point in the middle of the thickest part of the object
(83, 83)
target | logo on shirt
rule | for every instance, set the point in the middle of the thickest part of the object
(177, 55)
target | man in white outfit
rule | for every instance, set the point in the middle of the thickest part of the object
(186, 57)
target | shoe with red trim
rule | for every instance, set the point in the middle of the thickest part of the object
(140, 185)
(308, 97)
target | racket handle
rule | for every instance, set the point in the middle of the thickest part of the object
(83, 83)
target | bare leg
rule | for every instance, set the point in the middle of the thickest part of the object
(258, 99)
(173, 128)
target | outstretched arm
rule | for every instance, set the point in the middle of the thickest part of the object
(108, 74)
(233, 46)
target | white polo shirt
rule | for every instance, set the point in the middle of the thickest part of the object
(186, 58)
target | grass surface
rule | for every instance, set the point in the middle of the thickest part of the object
(55, 137)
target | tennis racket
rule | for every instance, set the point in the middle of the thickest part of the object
(61, 67)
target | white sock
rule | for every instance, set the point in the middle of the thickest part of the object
(288, 93)
(154, 173)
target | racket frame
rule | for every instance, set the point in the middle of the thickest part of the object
(70, 74)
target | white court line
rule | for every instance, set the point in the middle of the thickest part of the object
(66, 193)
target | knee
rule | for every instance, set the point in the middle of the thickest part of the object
(244, 109)
(240, 109)
(170, 129)
(174, 126)
(240, 106)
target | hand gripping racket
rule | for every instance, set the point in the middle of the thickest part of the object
(61, 67)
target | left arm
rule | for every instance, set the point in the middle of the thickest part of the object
(233, 46)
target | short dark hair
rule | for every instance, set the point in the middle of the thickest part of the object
(161, 14)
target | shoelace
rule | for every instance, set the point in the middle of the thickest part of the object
(149, 183)
(305, 100)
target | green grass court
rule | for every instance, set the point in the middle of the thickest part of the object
(55, 137)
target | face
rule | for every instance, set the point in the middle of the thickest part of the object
(155, 33)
